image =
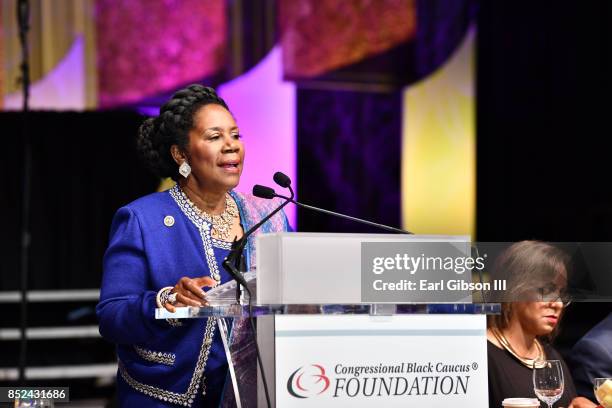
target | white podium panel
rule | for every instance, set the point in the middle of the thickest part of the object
(317, 268)
(374, 361)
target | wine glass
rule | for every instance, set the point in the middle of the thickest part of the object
(603, 391)
(548, 381)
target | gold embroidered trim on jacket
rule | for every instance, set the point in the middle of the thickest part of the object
(156, 356)
(203, 227)
(186, 398)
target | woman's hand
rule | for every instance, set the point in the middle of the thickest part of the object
(189, 292)
(581, 402)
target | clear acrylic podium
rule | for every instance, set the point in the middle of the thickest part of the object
(246, 387)
(286, 330)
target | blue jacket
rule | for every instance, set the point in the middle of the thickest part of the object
(591, 357)
(155, 241)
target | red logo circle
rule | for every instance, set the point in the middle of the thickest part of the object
(308, 381)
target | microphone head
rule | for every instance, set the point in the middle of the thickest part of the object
(263, 192)
(282, 179)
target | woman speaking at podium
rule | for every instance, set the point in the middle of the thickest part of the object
(166, 247)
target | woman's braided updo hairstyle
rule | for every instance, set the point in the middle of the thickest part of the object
(156, 135)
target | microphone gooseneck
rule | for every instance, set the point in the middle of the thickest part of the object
(233, 264)
(284, 181)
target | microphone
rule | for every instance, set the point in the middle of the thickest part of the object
(284, 181)
(233, 261)
(281, 179)
(263, 192)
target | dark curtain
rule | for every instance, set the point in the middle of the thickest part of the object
(543, 121)
(84, 168)
(544, 86)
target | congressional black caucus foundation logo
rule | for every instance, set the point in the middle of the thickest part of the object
(308, 381)
(380, 380)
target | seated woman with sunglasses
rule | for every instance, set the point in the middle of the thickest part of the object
(518, 337)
